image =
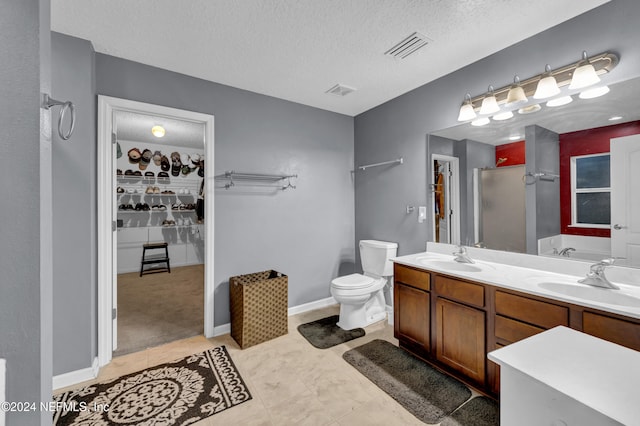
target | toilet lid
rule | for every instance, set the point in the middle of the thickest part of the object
(353, 281)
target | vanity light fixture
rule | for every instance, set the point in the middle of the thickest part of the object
(530, 109)
(503, 116)
(547, 86)
(466, 110)
(584, 75)
(489, 103)
(563, 100)
(480, 122)
(516, 93)
(158, 131)
(541, 86)
(594, 93)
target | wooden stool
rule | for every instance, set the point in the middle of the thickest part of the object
(155, 258)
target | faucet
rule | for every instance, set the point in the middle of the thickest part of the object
(566, 251)
(596, 276)
(462, 256)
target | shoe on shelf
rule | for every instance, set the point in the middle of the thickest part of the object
(120, 190)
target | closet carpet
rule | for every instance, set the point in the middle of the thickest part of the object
(159, 308)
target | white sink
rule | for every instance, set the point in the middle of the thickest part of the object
(449, 265)
(596, 294)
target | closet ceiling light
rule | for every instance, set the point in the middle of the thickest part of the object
(503, 116)
(489, 103)
(515, 138)
(584, 75)
(466, 110)
(516, 93)
(560, 101)
(158, 131)
(615, 118)
(547, 86)
(594, 93)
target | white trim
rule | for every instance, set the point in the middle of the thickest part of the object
(3, 367)
(106, 251)
(74, 377)
(318, 304)
(219, 330)
(454, 202)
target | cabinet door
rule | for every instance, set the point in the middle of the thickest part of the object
(460, 340)
(411, 315)
(615, 330)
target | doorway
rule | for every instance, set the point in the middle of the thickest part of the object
(446, 199)
(160, 171)
(110, 113)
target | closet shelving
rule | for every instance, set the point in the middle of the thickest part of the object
(171, 200)
(232, 178)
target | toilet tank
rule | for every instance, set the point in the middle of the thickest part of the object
(375, 256)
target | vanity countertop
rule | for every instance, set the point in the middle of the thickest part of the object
(552, 285)
(592, 371)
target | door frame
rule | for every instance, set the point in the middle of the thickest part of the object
(454, 202)
(107, 274)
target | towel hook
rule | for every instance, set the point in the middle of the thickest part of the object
(48, 102)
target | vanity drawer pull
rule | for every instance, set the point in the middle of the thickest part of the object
(542, 314)
(472, 294)
(412, 277)
(513, 331)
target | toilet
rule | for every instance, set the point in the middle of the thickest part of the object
(361, 296)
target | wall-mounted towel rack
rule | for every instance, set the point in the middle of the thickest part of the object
(544, 176)
(48, 102)
(384, 163)
(255, 179)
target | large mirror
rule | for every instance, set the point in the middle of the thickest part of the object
(551, 182)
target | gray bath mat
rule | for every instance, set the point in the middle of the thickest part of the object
(422, 390)
(480, 411)
(324, 333)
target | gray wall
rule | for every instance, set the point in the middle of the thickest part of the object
(542, 197)
(74, 209)
(398, 127)
(306, 233)
(25, 306)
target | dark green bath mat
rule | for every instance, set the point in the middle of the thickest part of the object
(422, 390)
(324, 333)
(480, 411)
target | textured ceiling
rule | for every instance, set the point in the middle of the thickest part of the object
(298, 49)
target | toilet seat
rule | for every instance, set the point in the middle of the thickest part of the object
(353, 282)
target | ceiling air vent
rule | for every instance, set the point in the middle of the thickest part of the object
(408, 46)
(340, 90)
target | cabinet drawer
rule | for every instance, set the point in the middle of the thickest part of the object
(542, 314)
(472, 294)
(614, 330)
(413, 277)
(513, 331)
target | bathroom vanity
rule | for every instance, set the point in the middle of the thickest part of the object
(452, 314)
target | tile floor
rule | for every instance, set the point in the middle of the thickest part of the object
(292, 383)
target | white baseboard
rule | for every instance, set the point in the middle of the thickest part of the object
(294, 310)
(74, 377)
(305, 307)
(389, 314)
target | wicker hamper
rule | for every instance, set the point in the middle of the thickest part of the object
(259, 304)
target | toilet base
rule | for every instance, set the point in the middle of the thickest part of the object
(362, 315)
